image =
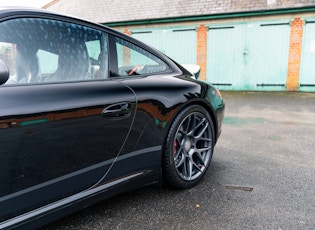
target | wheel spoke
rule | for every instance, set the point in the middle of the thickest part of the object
(184, 169)
(204, 139)
(200, 123)
(200, 158)
(179, 138)
(197, 167)
(194, 123)
(203, 129)
(202, 149)
(180, 153)
(188, 125)
(191, 125)
(190, 168)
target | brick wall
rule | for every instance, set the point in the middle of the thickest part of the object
(296, 38)
(202, 50)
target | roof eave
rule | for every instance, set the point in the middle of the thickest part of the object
(211, 16)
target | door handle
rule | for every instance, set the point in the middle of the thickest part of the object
(117, 111)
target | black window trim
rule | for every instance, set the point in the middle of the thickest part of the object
(113, 59)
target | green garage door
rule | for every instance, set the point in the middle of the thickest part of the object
(307, 73)
(248, 56)
(178, 43)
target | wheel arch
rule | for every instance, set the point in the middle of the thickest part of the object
(201, 103)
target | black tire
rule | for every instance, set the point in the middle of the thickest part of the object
(189, 147)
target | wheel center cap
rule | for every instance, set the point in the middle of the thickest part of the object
(187, 145)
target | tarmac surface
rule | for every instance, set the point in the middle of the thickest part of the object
(262, 175)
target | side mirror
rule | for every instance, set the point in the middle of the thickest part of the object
(4, 72)
(194, 69)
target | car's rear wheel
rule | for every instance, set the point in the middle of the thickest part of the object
(188, 147)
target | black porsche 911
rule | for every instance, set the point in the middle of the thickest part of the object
(87, 112)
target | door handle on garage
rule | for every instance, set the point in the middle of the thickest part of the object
(117, 111)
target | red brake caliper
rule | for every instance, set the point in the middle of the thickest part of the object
(175, 147)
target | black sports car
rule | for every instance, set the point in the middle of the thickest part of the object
(87, 112)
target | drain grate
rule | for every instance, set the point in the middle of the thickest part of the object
(247, 189)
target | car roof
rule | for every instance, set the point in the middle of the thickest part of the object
(30, 11)
(21, 11)
(20, 8)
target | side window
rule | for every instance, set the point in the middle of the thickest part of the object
(98, 59)
(7, 55)
(133, 60)
(47, 61)
(42, 50)
(93, 48)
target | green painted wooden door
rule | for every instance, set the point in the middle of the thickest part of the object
(225, 56)
(179, 44)
(248, 56)
(307, 70)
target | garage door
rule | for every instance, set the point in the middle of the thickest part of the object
(307, 73)
(248, 56)
(179, 44)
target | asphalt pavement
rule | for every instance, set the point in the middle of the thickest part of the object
(262, 175)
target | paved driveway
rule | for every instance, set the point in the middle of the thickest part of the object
(262, 176)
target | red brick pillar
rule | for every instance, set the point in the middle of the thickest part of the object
(296, 38)
(126, 31)
(126, 51)
(202, 50)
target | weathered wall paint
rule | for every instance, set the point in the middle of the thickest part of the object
(307, 70)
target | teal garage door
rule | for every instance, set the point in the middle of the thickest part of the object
(179, 44)
(248, 56)
(225, 57)
(307, 71)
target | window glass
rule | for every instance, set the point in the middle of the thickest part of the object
(47, 61)
(7, 55)
(41, 50)
(133, 60)
(93, 48)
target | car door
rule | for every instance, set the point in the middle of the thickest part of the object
(62, 121)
